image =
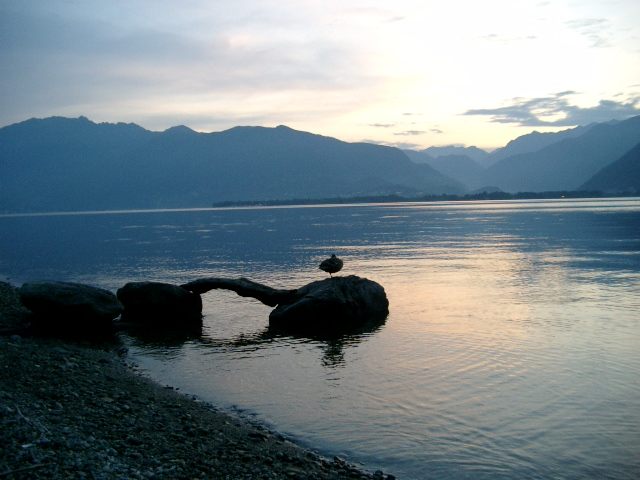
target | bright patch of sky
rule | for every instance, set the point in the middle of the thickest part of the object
(410, 73)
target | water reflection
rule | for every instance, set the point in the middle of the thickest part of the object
(511, 350)
(164, 341)
(162, 336)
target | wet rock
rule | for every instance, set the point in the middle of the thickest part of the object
(159, 303)
(66, 306)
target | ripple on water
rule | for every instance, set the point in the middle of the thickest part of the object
(511, 350)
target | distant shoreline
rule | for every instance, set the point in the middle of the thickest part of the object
(335, 201)
(569, 194)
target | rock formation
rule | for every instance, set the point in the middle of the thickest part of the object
(160, 303)
(333, 304)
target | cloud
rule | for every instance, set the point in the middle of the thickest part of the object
(508, 39)
(410, 132)
(382, 125)
(594, 29)
(555, 110)
(104, 62)
(436, 131)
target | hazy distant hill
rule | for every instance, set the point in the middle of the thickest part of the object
(567, 164)
(459, 167)
(474, 153)
(417, 156)
(623, 175)
(75, 164)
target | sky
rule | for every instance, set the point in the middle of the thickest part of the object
(408, 73)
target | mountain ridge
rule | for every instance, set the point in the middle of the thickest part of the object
(567, 163)
(70, 164)
(620, 176)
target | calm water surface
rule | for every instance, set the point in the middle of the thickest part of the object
(512, 349)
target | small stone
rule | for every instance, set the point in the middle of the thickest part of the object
(257, 436)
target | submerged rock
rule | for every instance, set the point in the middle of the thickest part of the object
(160, 303)
(65, 306)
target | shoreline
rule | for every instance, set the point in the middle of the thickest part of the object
(78, 410)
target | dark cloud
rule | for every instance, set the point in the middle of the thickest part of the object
(532, 112)
(382, 125)
(436, 131)
(410, 132)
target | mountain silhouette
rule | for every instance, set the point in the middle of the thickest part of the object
(566, 164)
(75, 164)
(621, 176)
(534, 141)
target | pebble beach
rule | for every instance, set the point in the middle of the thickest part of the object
(77, 410)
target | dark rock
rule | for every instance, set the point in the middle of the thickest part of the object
(338, 303)
(333, 305)
(160, 303)
(65, 306)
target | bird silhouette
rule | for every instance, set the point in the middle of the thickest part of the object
(331, 265)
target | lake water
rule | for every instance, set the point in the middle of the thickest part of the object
(512, 348)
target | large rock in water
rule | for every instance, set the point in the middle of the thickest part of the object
(69, 307)
(333, 304)
(159, 303)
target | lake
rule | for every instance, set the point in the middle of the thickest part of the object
(512, 347)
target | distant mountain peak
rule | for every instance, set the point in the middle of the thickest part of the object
(179, 129)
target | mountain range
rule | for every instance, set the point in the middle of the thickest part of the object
(621, 176)
(538, 162)
(63, 164)
(75, 164)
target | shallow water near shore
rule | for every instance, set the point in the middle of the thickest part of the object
(512, 349)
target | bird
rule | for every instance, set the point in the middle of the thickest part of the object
(331, 265)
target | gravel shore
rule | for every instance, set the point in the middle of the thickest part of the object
(77, 410)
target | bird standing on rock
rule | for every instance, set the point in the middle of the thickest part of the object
(331, 265)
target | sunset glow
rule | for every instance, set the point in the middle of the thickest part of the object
(407, 73)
